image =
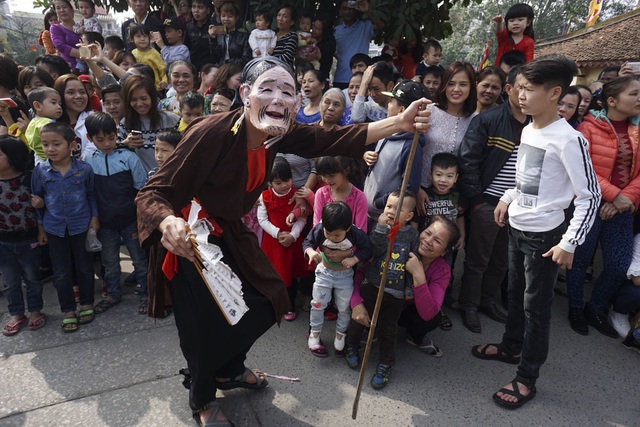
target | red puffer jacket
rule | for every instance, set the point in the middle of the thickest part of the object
(603, 148)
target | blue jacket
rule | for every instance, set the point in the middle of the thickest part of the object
(118, 177)
(69, 201)
(386, 175)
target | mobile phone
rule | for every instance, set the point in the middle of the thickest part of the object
(353, 4)
(635, 67)
(136, 132)
(10, 102)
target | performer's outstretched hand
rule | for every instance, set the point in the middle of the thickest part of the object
(174, 237)
(415, 118)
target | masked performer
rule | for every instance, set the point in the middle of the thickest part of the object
(223, 162)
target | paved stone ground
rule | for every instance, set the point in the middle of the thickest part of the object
(122, 370)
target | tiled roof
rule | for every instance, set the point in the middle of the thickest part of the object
(610, 42)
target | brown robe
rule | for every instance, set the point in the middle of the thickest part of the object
(210, 163)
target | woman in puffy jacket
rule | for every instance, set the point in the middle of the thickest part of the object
(613, 144)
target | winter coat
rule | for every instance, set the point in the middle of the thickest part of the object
(603, 148)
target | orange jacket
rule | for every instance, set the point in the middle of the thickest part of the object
(603, 148)
(45, 40)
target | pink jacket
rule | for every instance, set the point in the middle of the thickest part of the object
(356, 200)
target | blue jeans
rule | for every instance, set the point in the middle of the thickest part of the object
(341, 282)
(531, 282)
(67, 252)
(616, 241)
(110, 257)
(20, 261)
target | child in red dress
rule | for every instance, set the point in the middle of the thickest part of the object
(281, 240)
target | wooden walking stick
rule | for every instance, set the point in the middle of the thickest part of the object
(385, 272)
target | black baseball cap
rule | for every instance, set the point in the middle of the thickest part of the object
(408, 91)
(174, 22)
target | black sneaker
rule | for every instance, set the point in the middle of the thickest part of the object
(600, 322)
(353, 359)
(577, 321)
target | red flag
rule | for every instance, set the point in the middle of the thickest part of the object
(485, 56)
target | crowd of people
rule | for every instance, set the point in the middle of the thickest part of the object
(298, 165)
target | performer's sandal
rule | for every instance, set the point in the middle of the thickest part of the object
(241, 381)
(212, 421)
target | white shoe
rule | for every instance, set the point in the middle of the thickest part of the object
(338, 343)
(313, 342)
(620, 323)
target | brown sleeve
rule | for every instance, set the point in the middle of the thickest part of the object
(314, 141)
(177, 181)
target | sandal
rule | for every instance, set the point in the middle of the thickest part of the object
(86, 316)
(143, 306)
(445, 323)
(515, 393)
(241, 381)
(426, 346)
(37, 322)
(501, 355)
(10, 329)
(105, 305)
(70, 324)
(212, 421)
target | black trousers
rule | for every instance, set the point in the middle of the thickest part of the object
(211, 346)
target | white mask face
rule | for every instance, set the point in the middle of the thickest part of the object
(271, 102)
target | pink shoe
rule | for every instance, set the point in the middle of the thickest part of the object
(290, 316)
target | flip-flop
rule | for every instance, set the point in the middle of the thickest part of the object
(241, 381)
(86, 316)
(69, 324)
(10, 329)
(515, 393)
(319, 350)
(37, 322)
(426, 346)
(105, 305)
(445, 323)
(499, 356)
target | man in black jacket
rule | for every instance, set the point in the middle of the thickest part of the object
(487, 158)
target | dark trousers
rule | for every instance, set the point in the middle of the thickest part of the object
(387, 325)
(211, 346)
(416, 326)
(486, 259)
(616, 242)
(627, 299)
(68, 255)
(531, 282)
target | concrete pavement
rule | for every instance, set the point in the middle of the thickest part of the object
(122, 370)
